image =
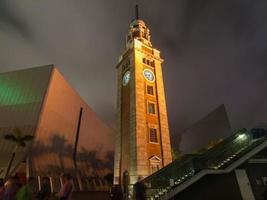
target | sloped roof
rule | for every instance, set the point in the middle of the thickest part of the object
(21, 97)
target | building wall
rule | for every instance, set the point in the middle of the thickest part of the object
(210, 129)
(118, 150)
(146, 149)
(40, 102)
(140, 113)
(162, 110)
(21, 97)
(54, 144)
(125, 119)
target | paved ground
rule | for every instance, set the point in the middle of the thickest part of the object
(90, 196)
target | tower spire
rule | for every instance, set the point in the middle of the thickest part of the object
(136, 12)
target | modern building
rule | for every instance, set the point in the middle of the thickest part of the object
(68, 135)
(206, 132)
(234, 169)
(142, 143)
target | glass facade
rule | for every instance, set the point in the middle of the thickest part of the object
(67, 140)
(42, 103)
(21, 97)
(210, 129)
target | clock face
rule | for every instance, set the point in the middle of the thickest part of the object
(126, 78)
(149, 75)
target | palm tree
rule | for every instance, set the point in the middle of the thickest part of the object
(20, 141)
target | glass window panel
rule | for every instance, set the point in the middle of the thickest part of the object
(151, 108)
(150, 90)
(153, 135)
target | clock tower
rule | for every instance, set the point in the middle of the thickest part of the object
(142, 138)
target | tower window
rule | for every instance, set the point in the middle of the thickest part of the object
(153, 135)
(154, 168)
(144, 60)
(150, 90)
(151, 108)
(136, 34)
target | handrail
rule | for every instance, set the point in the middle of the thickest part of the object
(190, 166)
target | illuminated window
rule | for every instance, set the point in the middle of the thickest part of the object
(153, 135)
(151, 108)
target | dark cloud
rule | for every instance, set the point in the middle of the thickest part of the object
(214, 51)
(9, 20)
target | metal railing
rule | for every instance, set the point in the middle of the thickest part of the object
(217, 158)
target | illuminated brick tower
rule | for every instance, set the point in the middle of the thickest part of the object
(142, 138)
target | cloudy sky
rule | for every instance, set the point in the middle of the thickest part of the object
(215, 51)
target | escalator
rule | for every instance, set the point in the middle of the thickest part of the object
(222, 158)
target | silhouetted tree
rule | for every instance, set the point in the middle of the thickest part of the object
(20, 141)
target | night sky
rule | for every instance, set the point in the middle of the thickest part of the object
(215, 51)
